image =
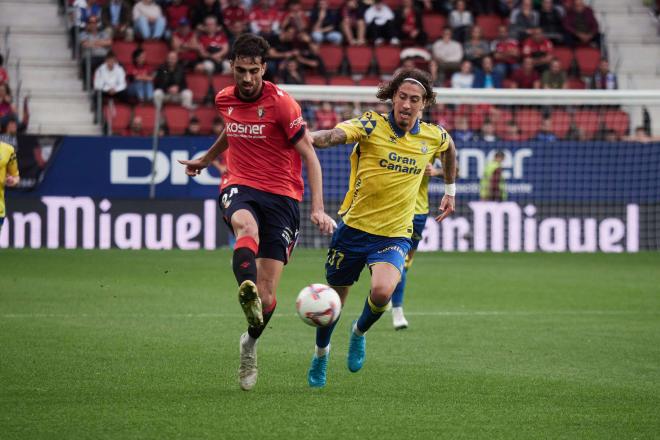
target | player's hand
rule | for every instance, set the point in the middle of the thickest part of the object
(324, 222)
(11, 180)
(447, 206)
(195, 166)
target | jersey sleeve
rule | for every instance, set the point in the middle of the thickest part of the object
(360, 128)
(443, 140)
(290, 118)
(12, 165)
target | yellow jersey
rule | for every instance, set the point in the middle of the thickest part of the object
(387, 168)
(8, 165)
(422, 201)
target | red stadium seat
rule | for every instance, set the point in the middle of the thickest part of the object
(501, 119)
(433, 25)
(529, 122)
(388, 58)
(342, 80)
(359, 58)
(489, 25)
(198, 83)
(148, 115)
(617, 120)
(118, 117)
(219, 82)
(124, 52)
(564, 55)
(335, 4)
(206, 115)
(587, 59)
(155, 52)
(369, 81)
(587, 121)
(393, 4)
(177, 118)
(561, 122)
(575, 83)
(317, 80)
(332, 56)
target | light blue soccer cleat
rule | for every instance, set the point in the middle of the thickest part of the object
(356, 351)
(316, 375)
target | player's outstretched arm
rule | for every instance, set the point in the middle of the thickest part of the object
(328, 138)
(448, 203)
(324, 222)
(195, 166)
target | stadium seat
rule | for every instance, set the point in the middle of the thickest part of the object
(332, 56)
(369, 81)
(219, 82)
(206, 115)
(529, 122)
(564, 55)
(489, 25)
(501, 119)
(617, 120)
(433, 25)
(342, 80)
(177, 119)
(317, 80)
(118, 117)
(155, 52)
(587, 59)
(148, 115)
(561, 122)
(388, 59)
(198, 83)
(124, 52)
(587, 121)
(359, 58)
(575, 83)
(393, 4)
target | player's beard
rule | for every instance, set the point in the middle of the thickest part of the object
(251, 91)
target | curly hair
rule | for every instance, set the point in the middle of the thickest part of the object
(250, 46)
(388, 90)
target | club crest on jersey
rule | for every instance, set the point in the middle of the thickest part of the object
(260, 112)
(229, 110)
(425, 148)
(393, 139)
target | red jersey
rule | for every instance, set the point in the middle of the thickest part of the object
(186, 54)
(503, 48)
(3, 76)
(264, 19)
(535, 49)
(175, 13)
(261, 136)
(215, 41)
(232, 14)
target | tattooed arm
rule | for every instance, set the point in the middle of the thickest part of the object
(328, 138)
(448, 202)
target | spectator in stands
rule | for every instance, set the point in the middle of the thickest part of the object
(116, 17)
(492, 186)
(4, 77)
(291, 73)
(526, 77)
(141, 77)
(184, 42)
(235, 30)
(409, 20)
(213, 47)
(296, 16)
(447, 54)
(488, 132)
(325, 117)
(352, 23)
(581, 25)
(90, 9)
(175, 12)
(7, 108)
(476, 47)
(194, 128)
(264, 19)
(203, 10)
(148, 20)
(545, 133)
(554, 77)
(539, 48)
(163, 129)
(325, 23)
(462, 131)
(487, 77)
(603, 78)
(380, 22)
(464, 78)
(110, 79)
(551, 18)
(135, 127)
(170, 83)
(460, 20)
(611, 136)
(289, 44)
(522, 20)
(506, 52)
(9, 131)
(642, 135)
(95, 46)
(512, 132)
(234, 16)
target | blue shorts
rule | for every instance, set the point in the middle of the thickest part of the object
(352, 249)
(277, 216)
(419, 222)
(2, 220)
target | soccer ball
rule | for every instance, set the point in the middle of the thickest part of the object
(318, 305)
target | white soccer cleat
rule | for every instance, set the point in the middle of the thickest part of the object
(398, 320)
(247, 370)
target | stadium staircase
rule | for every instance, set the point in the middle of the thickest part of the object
(633, 45)
(38, 42)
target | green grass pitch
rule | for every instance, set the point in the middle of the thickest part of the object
(128, 345)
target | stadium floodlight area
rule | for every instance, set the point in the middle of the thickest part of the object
(578, 180)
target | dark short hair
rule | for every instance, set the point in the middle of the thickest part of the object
(110, 54)
(250, 46)
(388, 90)
(136, 53)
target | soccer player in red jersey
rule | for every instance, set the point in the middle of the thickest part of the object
(266, 142)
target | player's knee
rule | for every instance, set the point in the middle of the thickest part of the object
(247, 229)
(381, 293)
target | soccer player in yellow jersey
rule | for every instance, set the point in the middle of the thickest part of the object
(8, 174)
(387, 167)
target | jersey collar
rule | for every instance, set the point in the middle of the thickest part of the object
(399, 132)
